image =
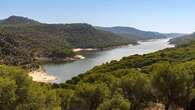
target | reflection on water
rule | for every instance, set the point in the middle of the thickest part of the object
(65, 71)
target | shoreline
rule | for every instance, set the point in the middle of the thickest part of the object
(66, 59)
(40, 75)
(77, 56)
(83, 49)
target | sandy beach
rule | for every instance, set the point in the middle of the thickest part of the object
(83, 49)
(40, 75)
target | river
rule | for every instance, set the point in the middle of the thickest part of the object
(65, 71)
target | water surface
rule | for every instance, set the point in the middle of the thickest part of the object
(65, 71)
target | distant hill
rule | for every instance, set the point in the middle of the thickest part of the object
(133, 33)
(185, 39)
(136, 34)
(175, 35)
(18, 20)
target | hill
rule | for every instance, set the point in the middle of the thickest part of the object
(18, 20)
(175, 35)
(57, 40)
(76, 35)
(183, 39)
(136, 34)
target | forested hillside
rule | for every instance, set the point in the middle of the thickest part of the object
(12, 52)
(133, 83)
(60, 35)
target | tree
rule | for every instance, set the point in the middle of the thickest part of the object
(19, 92)
(117, 102)
(88, 96)
(66, 96)
(136, 87)
(7, 93)
(172, 84)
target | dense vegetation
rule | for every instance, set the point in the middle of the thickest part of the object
(12, 53)
(133, 83)
(18, 92)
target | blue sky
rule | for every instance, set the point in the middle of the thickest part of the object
(153, 15)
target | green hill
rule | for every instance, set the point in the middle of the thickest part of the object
(45, 40)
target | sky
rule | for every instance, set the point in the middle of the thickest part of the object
(151, 15)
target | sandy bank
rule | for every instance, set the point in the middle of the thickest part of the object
(79, 57)
(83, 49)
(40, 75)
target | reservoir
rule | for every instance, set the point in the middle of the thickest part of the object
(65, 71)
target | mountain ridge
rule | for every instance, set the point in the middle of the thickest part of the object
(137, 34)
(18, 20)
(182, 40)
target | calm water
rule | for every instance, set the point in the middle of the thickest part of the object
(65, 71)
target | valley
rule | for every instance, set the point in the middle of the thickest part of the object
(65, 71)
(79, 66)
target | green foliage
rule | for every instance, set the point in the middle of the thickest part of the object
(89, 96)
(136, 87)
(117, 102)
(17, 91)
(66, 97)
(11, 53)
(61, 53)
(172, 83)
(7, 93)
